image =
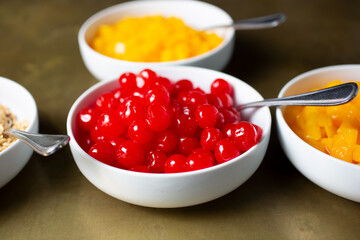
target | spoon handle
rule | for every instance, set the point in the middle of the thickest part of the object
(268, 21)
(44, 144)
(331, 96)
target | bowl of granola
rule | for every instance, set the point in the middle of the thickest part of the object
(18, 107)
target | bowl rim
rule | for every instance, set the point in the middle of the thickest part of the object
(100, 14)
(31, 121)
(71, 115)
(281, 120)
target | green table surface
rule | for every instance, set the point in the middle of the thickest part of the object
(51, 199)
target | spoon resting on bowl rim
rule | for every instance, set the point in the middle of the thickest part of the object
(332, 96)
(43, 144)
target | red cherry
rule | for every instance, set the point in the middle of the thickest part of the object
(199, 159)
(156, 161)
(158, 118)
(229, 115)
(108, 125)
(163, 81)
(220, 122)
(132, 109)
(188, 110)
(119, 95)
(140, 132)
(184, 125)
(85, 141)
(129, 154)
(214, 100)
(127, 83)
(175, 163)
(87, 118)
(209, 138)
(228, 130)
(145, 79)
(221, 86)
(103, 151)
(140, 168)
(206, 115)
(115, 141)
(157, 94)
(181, 86)
(245, 135)
(226, 150)
(106, 101)
(165, 141)
(186, 145)
(226, 100)
(191, 97)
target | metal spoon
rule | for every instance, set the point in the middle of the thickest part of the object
(44, 144)
(331, 96)
(268, 21)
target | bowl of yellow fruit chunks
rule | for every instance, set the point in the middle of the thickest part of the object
(323, 143)
(135, 35)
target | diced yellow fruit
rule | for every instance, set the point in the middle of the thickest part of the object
(342, 152)
(313, 132)
(154, 35)
(356, 156)
(330, 131)
(333, 130)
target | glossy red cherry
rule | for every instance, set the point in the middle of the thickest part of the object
(228, 130)
(103, 151)
(181, 86)
(157, 94)
(226, 150)
(156, 161)
(221, 86)
(108, 125)
(130, 154)
(87, 118)
(191, 97)
(245, 135)
(132, 109)
(226, 100)
(106, 101)
(206, 115)
(175, 163)
(186, 145)
(119, 95)
(85, 141)
(165, 141)
(165, 82)
(140, 132)
(209, 138)
(127, 83)
(214, 100)
(199, 159)
(229, 115)
(185, 125)
(220, 122)
(145, 79)
(158, 118)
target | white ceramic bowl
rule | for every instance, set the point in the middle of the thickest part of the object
(23, 106)
(177, 189)
(337, 176)
(196, 14)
